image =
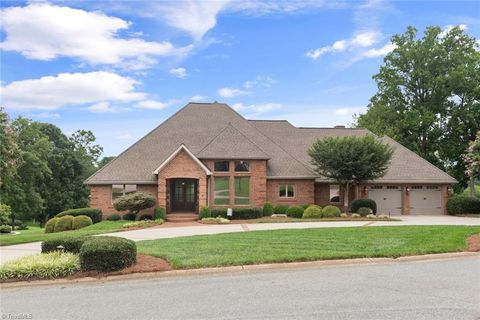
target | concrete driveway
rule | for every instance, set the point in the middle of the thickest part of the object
(14, 251)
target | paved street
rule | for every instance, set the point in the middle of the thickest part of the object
(14, 251)
(440, 289)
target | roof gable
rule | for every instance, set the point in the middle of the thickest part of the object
(230, 143)
(189, 153)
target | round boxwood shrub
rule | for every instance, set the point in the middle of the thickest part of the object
(364, 211)
(94, 213)
(159, 213)
(295, 212)
(107, 254)
(63, 224)
(367, 203)
(145, 217)
(463, 204)
(50, 225)
(113, 217)
(312, 212)
(267, 209)
(72, 245)
(331, 212)
(280, 209)
(129, 216)
(5, 229)
(81, 222)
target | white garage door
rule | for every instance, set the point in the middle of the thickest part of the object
(425, 200)
(388, 199)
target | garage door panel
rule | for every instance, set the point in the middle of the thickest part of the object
(388, 199)
(425, 200)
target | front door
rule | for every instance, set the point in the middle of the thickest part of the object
(184, 195)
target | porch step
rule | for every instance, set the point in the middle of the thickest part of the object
(182, 217)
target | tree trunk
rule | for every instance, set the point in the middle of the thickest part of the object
(472, 186)
(345, 197)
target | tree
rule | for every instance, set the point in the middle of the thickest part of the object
(350, 160)
(428, 96)
(134, 202)
(104, 161)
(10, 156)
(472, 162)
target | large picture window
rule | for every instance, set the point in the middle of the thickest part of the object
(221, 193)
(119, 190)
(222, 166)
(286, 191)
(242, 190)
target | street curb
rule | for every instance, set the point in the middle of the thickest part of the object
(236, 269)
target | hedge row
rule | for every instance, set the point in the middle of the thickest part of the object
(94, 213)
(463, 205)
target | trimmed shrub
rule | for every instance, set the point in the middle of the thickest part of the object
(50, 225)
(344, 215)
(217, 220)
(312, 212)
(5, 212)
(280, 209)
(204, 213)
(63, 224)
(107, 254)
(355, 215)
(15, 222)
(364, 211)
(367, 203)
(72, 244)
(143, 223)
(331, 212)
(5, 229)
(129, 216)
(80, 222)
(134, 202)
(371, 216)
(113, 217)
(295, 212)
(146, 217)
(159, 213)
(94, 213)
(305, 206)
(463, 205)
(45, 266)
(238, 213)
(267, 209)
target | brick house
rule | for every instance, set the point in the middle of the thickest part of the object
(207, 154)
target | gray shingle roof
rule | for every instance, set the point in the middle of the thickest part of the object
(216, 131)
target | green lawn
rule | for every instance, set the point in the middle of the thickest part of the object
(35, 233)
(306, 245)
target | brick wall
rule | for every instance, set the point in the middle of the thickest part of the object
(304, 191)
(258, 182)
(101, 197)
(182, 166)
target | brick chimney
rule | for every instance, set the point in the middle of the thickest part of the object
(340, 127)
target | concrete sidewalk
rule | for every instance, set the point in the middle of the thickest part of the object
(11, 252)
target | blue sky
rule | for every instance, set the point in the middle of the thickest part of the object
(120, 68)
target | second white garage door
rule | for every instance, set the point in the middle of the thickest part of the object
(425, 200)
(388, 199)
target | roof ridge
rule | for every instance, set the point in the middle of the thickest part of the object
(135, 143)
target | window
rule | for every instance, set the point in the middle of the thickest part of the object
(334, 193)
(242, 166)
(392, 187)
(376, 187)
(417, 187)
(221, 193)
(242, 190)
(432, 187)
(286, 191)
(119, 190)
(222, 166)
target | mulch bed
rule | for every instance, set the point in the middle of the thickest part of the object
(144, 264)
(473, 243)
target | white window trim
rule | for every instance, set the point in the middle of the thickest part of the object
(286, 190)
(123, 189)
(339, 194)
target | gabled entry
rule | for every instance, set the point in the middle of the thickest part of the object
(183, 195)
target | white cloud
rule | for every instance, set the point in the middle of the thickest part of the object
(259, 81)
(125, 136)
(194, 17)
(45, 115)
(151, 104)
(101, 107)
(53, 92)
(231, 92)
(255, 7)
(44, 31)
(348, 111)
(360, 40)
(256, 109)
(179, 72)
(373, 53)
(198, 97)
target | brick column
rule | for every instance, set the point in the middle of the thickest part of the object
(405, 200)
